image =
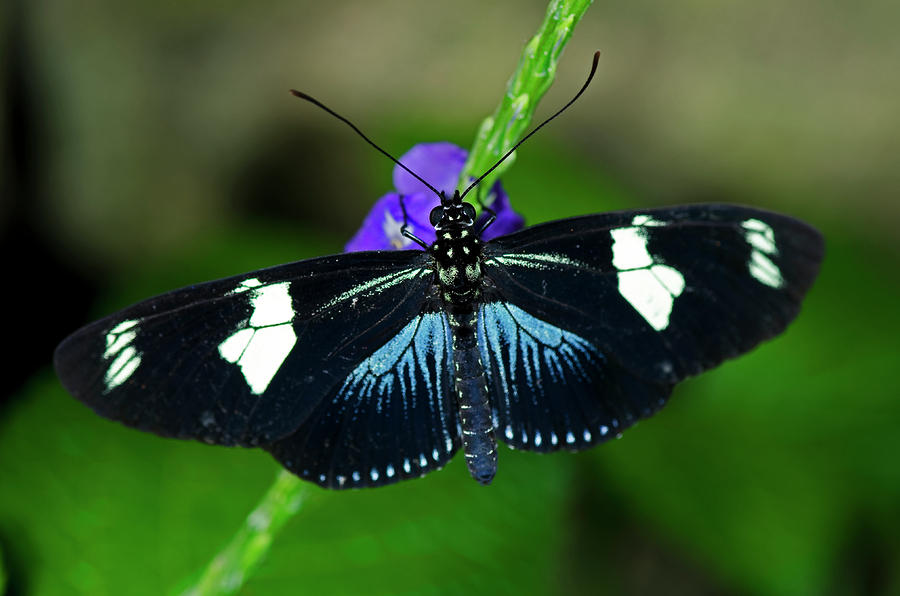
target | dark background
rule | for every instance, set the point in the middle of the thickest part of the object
(148, 145)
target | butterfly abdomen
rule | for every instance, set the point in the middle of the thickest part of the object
(479, 443)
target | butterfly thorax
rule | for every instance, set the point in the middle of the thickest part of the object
(457, 253)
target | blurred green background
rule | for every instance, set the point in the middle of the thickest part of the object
(149, 145)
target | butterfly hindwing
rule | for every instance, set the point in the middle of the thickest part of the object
(392, 418)
(553, 389)
(243, 360)
(653, 296)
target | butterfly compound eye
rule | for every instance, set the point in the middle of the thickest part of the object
(435, 215)
(469, 211)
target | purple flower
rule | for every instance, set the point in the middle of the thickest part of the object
(440, 164)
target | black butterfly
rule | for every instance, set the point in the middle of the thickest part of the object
(367, 368)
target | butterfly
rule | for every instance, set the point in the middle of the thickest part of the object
(363, 369)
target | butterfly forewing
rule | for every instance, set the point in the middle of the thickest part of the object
(644, 298)
(244, 360)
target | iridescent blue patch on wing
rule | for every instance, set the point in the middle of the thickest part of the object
(539, 372)
(391, 418)
(401, 363)
(539, 351)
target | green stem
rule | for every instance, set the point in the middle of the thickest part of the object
(226, 573)
(533, 76)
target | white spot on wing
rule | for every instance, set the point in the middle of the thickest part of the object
(264, 355)
(764, 270)
(271, 305)
(630, 249)
(232, 348)
(650, 288)
(760, 235)
(125, 358)
(761, 238)
(246, 285)
(123, 326)
(115, 343)
(646, 220)
(260, 347)
(669, 278)
(122, 367)
(649, 295)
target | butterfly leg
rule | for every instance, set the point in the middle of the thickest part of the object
(492, 215)
(404, 229)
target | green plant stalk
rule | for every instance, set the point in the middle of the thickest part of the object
(533, 76)
(230, 568)
(226, 573)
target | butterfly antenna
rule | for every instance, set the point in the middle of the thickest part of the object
(316, 102)
(539, 126)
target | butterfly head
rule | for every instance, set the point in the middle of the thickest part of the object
(452, 213)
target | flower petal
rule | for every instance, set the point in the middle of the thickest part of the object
(507, 222)
(381, 229)
(438, 163)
